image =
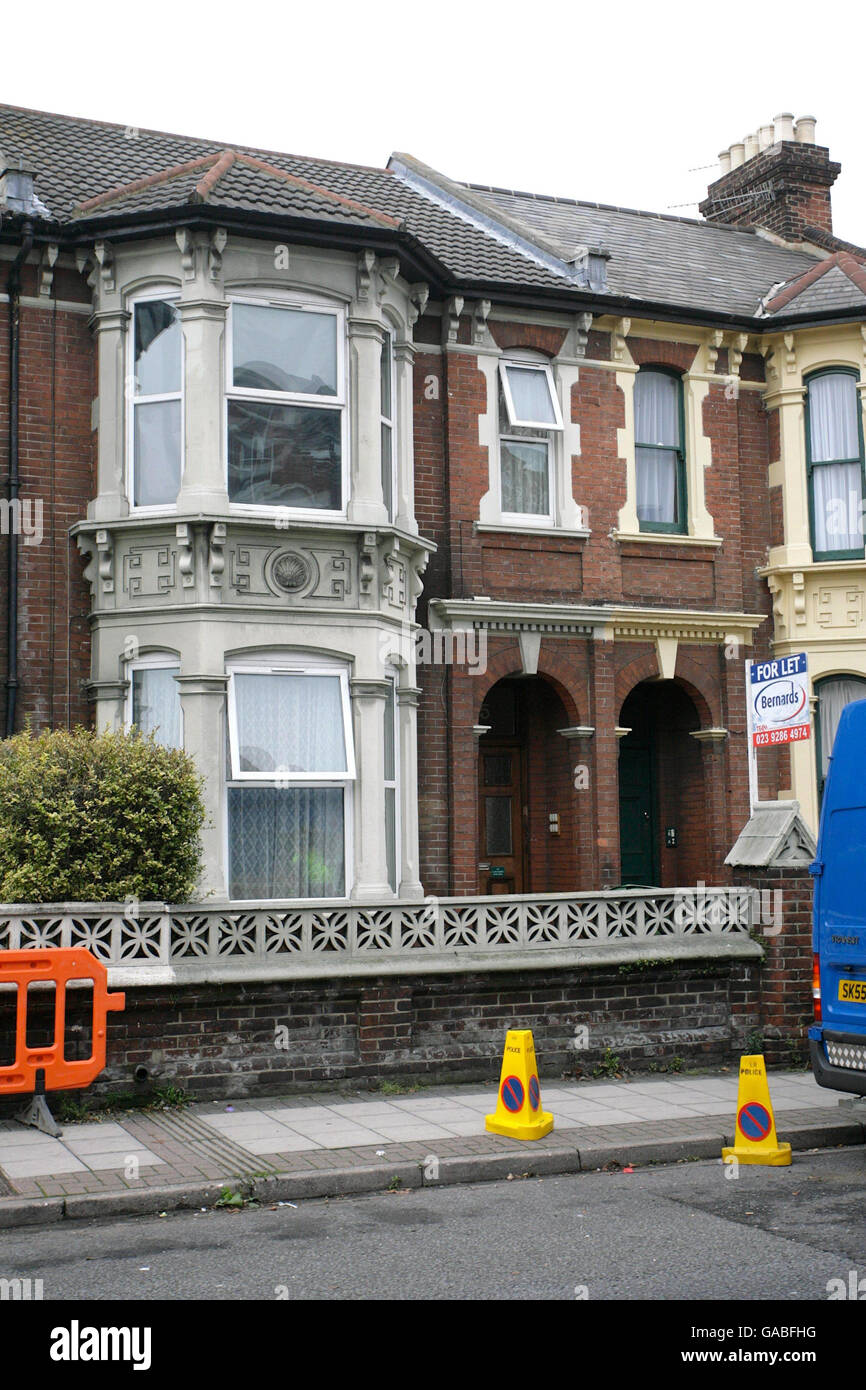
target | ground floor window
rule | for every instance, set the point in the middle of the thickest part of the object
(291, 765)
(833, 695)
(153, 704)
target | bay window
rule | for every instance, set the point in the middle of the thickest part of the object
(834, 450)
(529, 419)
(156, 403)
(286, 406)
(291, 766)
(659, 451)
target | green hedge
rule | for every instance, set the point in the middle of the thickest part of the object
(88, 817)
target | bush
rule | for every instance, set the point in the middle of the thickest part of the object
(88, 817)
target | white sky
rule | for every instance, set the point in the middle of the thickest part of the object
(610, 103)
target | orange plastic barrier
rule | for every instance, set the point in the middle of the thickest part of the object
(56, 966)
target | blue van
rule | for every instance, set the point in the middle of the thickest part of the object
(837, 1039)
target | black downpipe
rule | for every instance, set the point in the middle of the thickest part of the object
(13, 290)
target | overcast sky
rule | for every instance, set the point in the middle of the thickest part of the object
(610, 103)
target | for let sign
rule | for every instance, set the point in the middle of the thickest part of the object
(779, 700)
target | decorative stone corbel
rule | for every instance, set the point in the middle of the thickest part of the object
(393, 574)
(367, 562)
(451, 318)
(185, 554)
(216, 560)
(104, 256)
(735, 352)
(419, 293)
(87, 549)
(186, 245)
(389, 269)
(216, 246)
(790, 354)
(582, 325)
(46, 268)
(770, 354)
(366, 267)
(713, 343)
(480, 314)
(105, 552)
(780, 626)
(619, 333)
(798, 583)
(416, 582)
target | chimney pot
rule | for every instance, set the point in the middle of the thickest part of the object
(750, 144)
(783, 126)
(804, 130)
(738, 155)
(766, 137)
(725, 161)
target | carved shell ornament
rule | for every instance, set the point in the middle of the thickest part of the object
(290, 572)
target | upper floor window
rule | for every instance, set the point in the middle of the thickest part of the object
(529, 416)
(286, 406)
(387, 407)
(659, 451)
(156, 403)
(834, 451)
(153, 702)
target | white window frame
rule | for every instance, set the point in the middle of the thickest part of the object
(391, 421)
(533, 519)
(157, 661)
(513, 418)
(304, 304)
(392, 676)
(169, 294)
(347, 780)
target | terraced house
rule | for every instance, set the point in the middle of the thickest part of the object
(437, 521)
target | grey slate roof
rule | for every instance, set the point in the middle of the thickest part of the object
(481, 237)
(832, 291)
(672, 260)
(75, 160)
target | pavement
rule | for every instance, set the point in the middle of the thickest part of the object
(337, 1143)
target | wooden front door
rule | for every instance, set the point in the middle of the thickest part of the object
(501, 814)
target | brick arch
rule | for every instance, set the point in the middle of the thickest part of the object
(553, 671)
(690, 676)
(528, 335)
(647, 352)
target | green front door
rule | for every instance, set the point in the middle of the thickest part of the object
(637, 828)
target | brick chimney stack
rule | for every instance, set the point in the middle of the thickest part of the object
(776, 178)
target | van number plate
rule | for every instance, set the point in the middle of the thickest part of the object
(852, 991)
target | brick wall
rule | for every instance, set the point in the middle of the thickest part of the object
(56, 459)
(257, 1039)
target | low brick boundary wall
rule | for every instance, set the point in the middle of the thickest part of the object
(234, 1041)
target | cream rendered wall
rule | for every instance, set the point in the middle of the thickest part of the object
(817, 608)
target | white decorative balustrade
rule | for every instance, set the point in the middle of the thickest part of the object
(153, 943)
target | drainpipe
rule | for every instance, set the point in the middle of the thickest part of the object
(13, 290)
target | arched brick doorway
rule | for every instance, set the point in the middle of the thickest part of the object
(662, 805)
(527, 830)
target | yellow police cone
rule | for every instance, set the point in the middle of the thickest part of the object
(755, 1136)
(518, 1109)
